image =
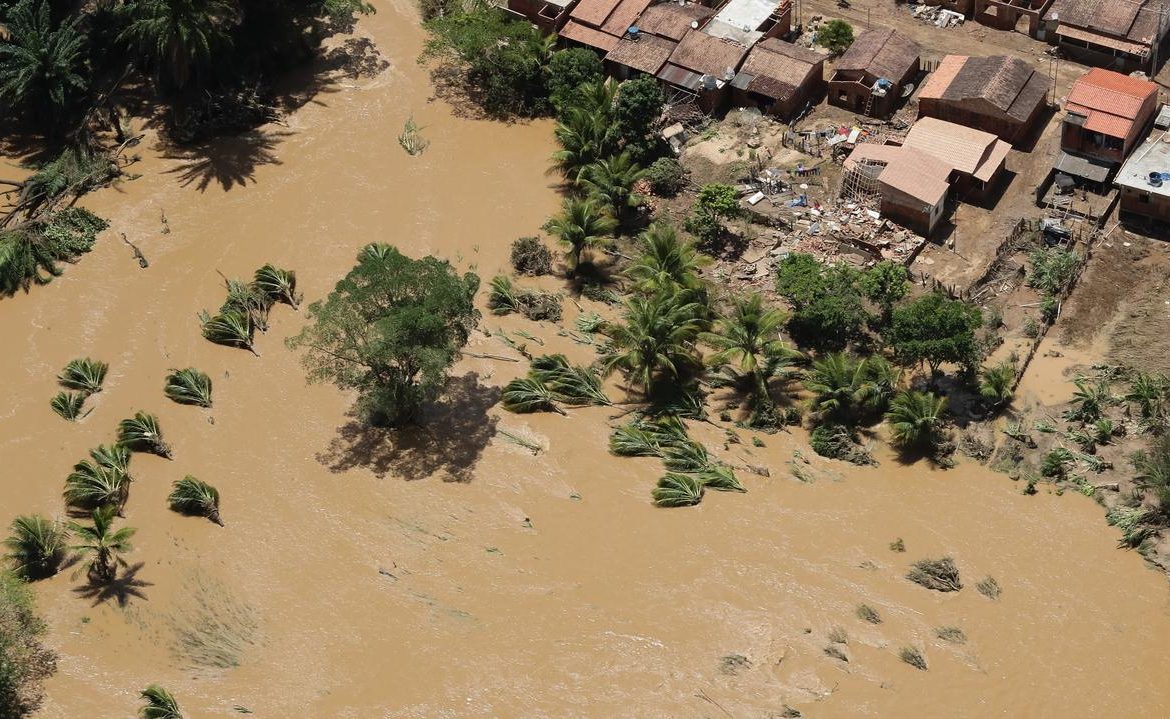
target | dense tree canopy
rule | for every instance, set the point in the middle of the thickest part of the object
(934, 329)
(390, 329)
(828, 312)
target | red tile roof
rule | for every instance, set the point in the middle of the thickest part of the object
(1109, 101)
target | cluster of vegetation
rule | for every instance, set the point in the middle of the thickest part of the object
(835, 36)
(505, 298)
(690, 470)
(65, 69)
(81, 378)
(25, 661)
(1053, 270)
(552, 382)
(30, 252)
(390, 329)
(246, 307)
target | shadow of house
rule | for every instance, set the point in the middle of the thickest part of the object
(449, 439)
(227, 161)
(873, 74)
(1001, 95)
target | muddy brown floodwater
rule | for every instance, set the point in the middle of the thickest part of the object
(361, 575)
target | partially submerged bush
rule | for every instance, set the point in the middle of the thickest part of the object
(505, 298)
(677, 490)
(867, 613)
(838, 635)
(898, 545)
(531, 257)
(989, 588)
(913, 657)
(836, 652)
(954, 635)
(941, 575)
(29, 253)
(24, 661)
(836, 442)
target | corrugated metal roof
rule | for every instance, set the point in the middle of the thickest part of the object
(679, 76)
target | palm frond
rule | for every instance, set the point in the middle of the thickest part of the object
(141, 433)
(113, 456)
(525, 394)
(502, 296)
(642, 438)
(720, 477)
(195, 497)
(232, 328)
(278, 284)
(685, 456)
(84, 374)
(188, 386)
(677, 490)
(248, 299)
(93, 486)
(68, 405)
(36, 546)
(572, 385)
(160, 704)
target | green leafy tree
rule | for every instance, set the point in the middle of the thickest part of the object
(581, 225)
(36, 546)
(886, 284)
(43, 68)
(916, 420)
(655, 341)
(715, 204)
(667, 176)
(567, 71)
(102, 544)
(749, 335)
(639, 106)
(835, 36)
(160, 704)
(934, 329)
(390, 329)
(179, 39)
(610, 182)
(828, 312)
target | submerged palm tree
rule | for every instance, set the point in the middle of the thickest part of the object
(666, 262)
(995, 384)
(42, 64)
(160, 704)
(879, 384)
(656, 340)
(91, 485)
(188, 386)
(916, 419)
(585, 136)
(678, 490)
(36, 546)
(580, 225)
(231, 328)
(195, 497)
(750, 336)
(68, 405)
(834, 382)
(141, 433)
(279, 285)
(84, 375)
(102, 544)
(610, 181)
(178, 39)
(114, 456)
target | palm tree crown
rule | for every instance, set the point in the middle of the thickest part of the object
(42, 67)
(160, 704)
(36, 546)
(580, 225)
(102, 543)
(657, 338)
(610, 181)
(916, 419)
(178, 38)
(666, 263)
(749, 335)
(585, 137)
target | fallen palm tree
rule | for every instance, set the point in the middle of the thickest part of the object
(551, 382)
(94, 486)
(141, 433)
(278, 284)
(188, 386)
(231, 329)
(68, 405)
(84, 375)
(195, 497)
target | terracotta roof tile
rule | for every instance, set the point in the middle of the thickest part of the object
(706, 55)
(588, 36)
(647, 54)
(671, 20)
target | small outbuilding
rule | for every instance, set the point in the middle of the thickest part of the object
(1001, 95)
(870, 77)
(779, 78)
(1144, 181)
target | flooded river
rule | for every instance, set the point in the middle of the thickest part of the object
(451, 573)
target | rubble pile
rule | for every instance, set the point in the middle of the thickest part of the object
(937, 16)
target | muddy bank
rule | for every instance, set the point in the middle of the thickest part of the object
(365, 576)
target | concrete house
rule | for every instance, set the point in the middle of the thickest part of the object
(659, 30)
(1022, 15)
(548, 15)
(779, 78)
(870, 76)
(749, 21)
(1106, 114)
(1124, 35)
(1001, 95)
(1144, 181)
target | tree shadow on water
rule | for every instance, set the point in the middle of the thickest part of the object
(124, 587)
(229, 161)
(449, 439)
